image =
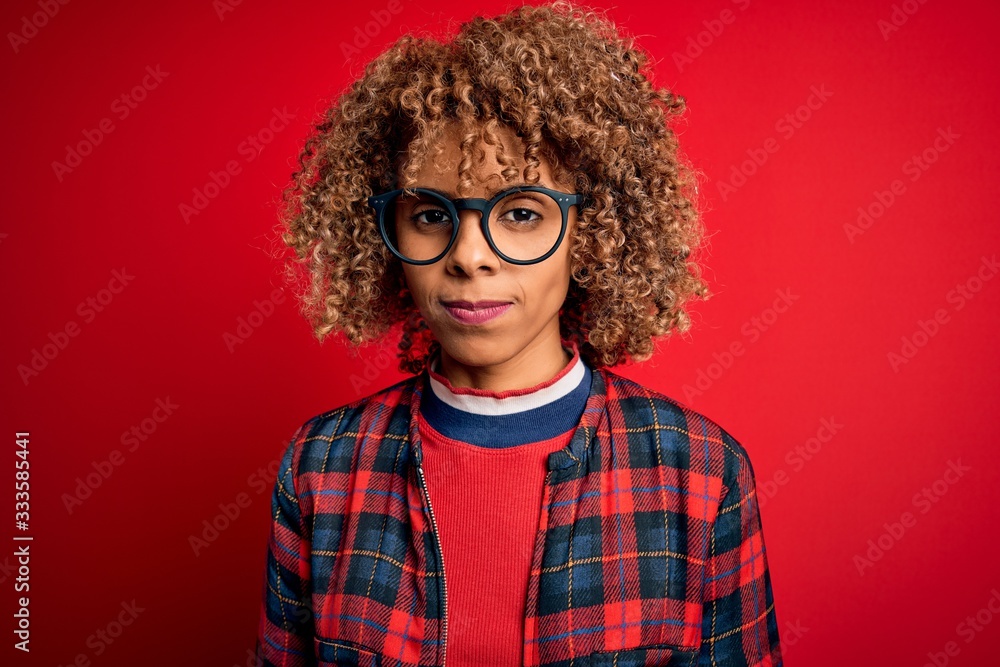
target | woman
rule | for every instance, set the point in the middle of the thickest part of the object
(515, 200)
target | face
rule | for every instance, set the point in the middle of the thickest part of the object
(526, 333)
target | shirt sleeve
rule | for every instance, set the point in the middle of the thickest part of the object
(285, 632)
(739, 627)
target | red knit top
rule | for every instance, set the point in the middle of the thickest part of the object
(487, 503)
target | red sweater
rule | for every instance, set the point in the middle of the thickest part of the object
(487, 503)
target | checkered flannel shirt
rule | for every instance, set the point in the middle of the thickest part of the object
(649, 549)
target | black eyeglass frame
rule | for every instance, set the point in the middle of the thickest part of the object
(485, 207)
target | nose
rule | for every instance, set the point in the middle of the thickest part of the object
(471, 250)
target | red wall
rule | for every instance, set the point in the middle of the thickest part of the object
(855, 395)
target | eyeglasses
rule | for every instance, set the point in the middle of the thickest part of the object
(523, 225)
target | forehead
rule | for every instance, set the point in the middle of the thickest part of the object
(443, 161)
(484, 159)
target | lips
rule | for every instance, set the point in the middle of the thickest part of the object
(476, 312)
(474, 305)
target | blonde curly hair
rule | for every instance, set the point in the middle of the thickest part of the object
(576, 92)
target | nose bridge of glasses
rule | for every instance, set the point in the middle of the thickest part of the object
(470, 204)
(473, 204)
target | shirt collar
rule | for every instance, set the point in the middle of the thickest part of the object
(593, 419)
(488, 402)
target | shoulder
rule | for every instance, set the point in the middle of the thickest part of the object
(686, 437)
(327, 442)
(347, 416)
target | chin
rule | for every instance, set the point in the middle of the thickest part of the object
(473, 350)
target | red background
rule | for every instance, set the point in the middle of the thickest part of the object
(825, 357)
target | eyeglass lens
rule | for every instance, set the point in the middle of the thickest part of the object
(524, 225)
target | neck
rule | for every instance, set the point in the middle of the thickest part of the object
(533, 367)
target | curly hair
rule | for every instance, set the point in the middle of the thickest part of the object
(577, 93)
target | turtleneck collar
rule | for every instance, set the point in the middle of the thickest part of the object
(510, 417)
(489, 402)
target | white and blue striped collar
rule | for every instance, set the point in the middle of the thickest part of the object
(508, 418)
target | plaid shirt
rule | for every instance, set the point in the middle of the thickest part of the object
(649, 549)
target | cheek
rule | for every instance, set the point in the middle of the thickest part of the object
(551, 287)
(413, 281)
(422, 284)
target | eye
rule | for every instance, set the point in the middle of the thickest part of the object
(525, 209)
(431, 216)
(520, 215)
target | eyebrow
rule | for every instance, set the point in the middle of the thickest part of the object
(490, 195)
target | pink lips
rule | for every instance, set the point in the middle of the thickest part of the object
(476, 313)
